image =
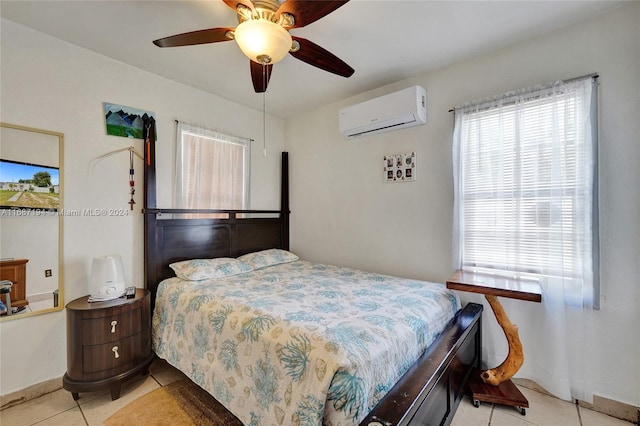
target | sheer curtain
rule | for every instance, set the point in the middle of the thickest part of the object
(212, 169)
(525, 175)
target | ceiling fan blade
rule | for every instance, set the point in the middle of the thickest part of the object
(306, 12)
(233, 4)
(260, 75)
(211, 35)
(317, 56)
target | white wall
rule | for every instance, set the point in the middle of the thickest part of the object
(49, 84)
(343, 213)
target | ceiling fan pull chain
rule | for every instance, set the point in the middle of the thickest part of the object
(264, 112)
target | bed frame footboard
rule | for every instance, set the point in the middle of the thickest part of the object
(430, 391)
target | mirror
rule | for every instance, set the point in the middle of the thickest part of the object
(31, 216)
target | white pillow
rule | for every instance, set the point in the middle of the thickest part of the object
(202, 269)
(264, 258)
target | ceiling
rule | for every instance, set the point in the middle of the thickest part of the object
(384, 41)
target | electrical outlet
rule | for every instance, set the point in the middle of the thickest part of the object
(47, 273)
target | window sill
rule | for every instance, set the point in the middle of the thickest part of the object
(496, 285)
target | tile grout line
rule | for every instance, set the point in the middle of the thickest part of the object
(493, 406)
(156, 380)
(57, 414)
(86, 422)
(578, 411)
(82, 412)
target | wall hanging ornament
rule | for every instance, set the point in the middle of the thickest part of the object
(132, 183)
(132, 153)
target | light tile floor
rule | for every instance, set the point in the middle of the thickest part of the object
(59, 409)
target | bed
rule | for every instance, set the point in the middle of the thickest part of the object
(422, 387)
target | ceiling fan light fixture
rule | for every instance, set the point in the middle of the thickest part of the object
(263, 41)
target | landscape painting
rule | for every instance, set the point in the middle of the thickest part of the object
(29, 186)
(125, 121)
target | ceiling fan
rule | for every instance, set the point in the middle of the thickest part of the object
(263, 36)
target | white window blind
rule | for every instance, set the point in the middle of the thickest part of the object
(525, 169)
(212, 169)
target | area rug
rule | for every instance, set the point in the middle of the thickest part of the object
(181, 403)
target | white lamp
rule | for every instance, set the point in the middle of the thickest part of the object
(263, 41)
(107, 278)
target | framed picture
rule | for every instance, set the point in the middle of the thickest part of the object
(125, 121)
(400, 167)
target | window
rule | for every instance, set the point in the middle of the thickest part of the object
(212, 169)
(525, 167)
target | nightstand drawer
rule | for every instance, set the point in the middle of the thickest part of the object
(111, 327)
(111, 355)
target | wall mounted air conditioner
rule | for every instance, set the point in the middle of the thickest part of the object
(398, 110)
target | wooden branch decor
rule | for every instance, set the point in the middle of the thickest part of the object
(515, 357)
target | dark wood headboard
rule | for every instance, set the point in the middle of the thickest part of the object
(172, 235)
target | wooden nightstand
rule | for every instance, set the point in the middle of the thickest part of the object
(107, 343)
(495, 385)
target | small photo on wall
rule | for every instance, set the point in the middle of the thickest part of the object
(125, 121)
(400, 167)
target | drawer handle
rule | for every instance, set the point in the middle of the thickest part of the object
(113, 326)
(115, 352)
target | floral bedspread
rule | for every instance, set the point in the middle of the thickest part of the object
(298, 343)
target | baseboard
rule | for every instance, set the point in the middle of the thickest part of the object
(39, 297)
(607, 406)
(614, 409)
(29, 393)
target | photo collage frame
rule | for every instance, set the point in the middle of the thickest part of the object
(400, 167)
